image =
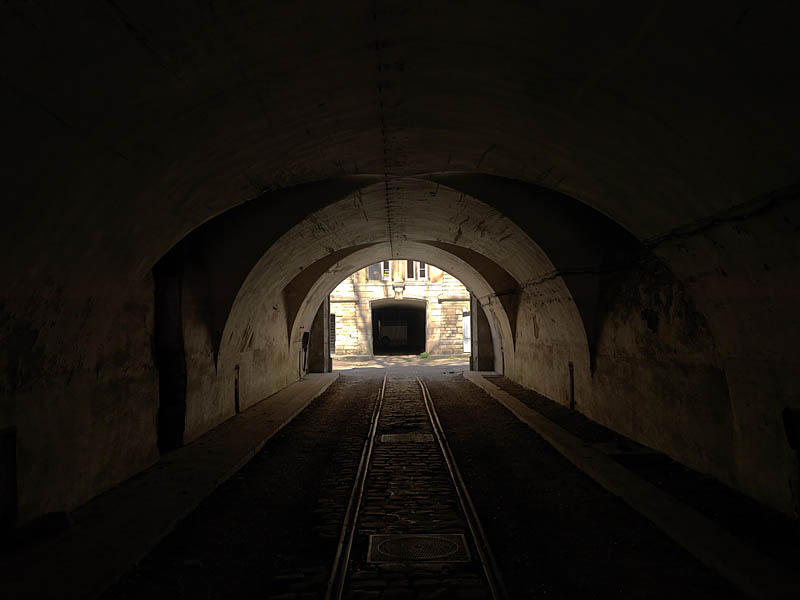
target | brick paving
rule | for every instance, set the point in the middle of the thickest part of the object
(409, 491)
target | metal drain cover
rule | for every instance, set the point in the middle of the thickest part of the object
(406, 437)
(418, 547)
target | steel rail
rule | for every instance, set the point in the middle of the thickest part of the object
(338, 574)
(476, 529)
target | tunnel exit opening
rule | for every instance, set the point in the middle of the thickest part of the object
(401, 308)
(398, 329)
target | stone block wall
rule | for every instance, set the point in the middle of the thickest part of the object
(445, 327)
(353, 323)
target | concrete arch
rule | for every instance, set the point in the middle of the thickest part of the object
(472, 279)
(432, 228)
(576, 243)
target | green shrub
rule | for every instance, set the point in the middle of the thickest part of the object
(424, 355)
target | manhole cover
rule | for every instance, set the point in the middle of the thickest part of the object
(406, 437)
(450, 547)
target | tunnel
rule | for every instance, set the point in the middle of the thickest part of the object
(616, 187)
(398, 327)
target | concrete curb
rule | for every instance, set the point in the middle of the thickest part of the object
(747, 569)
(116, 530)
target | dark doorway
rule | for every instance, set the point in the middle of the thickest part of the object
(398, 328)
(169, 350)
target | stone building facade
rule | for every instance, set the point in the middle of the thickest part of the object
(399, 307)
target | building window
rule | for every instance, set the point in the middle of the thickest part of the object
(381, 270)
(416, 270)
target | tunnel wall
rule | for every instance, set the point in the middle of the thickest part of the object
(482, 351)
(204, 406)
(740, 269)
(262, 351)
(653, 375)
(550, 335)
(259, 350)
(319, 348)
(657, 375)
(80, 384)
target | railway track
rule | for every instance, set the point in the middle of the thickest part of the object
(339, 570)
(410, 519)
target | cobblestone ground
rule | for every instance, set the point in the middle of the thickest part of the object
(554, 532)
(409, 491)
(271, 530)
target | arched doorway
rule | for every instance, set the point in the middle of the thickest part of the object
(398, 326)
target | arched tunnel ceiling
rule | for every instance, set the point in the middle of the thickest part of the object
(578, 243)
(152, 119)
(294, 264)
